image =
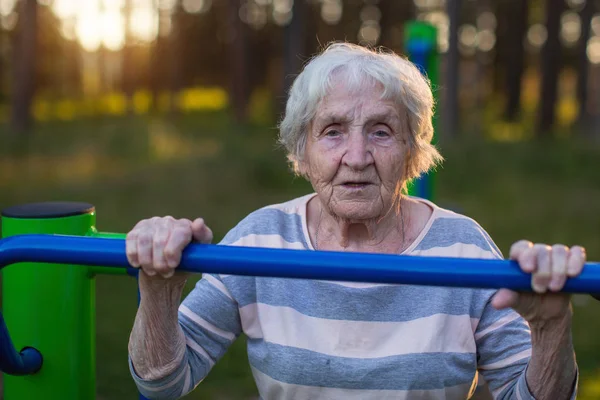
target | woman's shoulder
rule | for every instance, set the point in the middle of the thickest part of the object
(276, 225)
(450, 233)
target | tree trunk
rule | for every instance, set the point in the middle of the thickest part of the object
(240, 67)
(394, 14)
(128, 75)
(174, 56)
(586, 14)
(24, 66)
(450, 105)
(156, 70)
(515, 60)
(551, 57)
(294, 49)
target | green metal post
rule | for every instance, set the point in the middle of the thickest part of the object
(422, 37)
(51, 307)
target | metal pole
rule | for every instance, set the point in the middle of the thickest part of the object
(421, 48)
(51, 307)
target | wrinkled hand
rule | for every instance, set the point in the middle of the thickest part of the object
(549, 266)
(155, 245)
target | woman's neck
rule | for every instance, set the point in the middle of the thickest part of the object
(392, 233)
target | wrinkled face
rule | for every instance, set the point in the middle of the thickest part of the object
(356, 151)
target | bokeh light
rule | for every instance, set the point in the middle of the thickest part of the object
(429, 4)
(253, 14)
(7, 7)
(282, 12)
(467, 35)
(576, 4)
(570, 28)
(593, 50)
(64, 9)
(369, 32)
(88, 32)
(486, 21)
(486, 40)
(596, 24)
(144, 24)
(442, 23)
(331, 11)
(112, 30)
(370, 13)
(537, 35)
(196, 6)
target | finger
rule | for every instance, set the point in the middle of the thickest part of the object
(518, 248)
(131, 249)
(160, 239)
(180, 237)
(201, 232)
(576, 261)
(505, 298)
(527, 258)
(543, 271)
(144, 247)
(558, 259)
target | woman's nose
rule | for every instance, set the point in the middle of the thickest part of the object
(358, 155)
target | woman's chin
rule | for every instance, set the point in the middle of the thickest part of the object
(357, 211)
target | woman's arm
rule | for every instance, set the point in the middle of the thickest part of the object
(157, 342)
(552, 371)
(173, 346)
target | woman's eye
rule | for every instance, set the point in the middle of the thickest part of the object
(381, 134)
(332, 133)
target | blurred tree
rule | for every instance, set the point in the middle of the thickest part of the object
(128, 75)
(58, 65)
(24, 63)
(586, 13)
(394, 13)
(550, 67)
(294, 49)
(239, 62)
(156, 70)
(174, 54)
(514, 33)
(450, 104)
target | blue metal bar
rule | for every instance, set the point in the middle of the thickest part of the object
(324, 265)
(26, 362)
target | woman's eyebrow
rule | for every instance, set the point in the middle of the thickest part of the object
(385, 117)
(331, 119)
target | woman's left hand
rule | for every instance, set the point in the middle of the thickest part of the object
(550, 267)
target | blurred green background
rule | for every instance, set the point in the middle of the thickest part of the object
(148, 107)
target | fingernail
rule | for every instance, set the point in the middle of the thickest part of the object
(555, 285)
(539, 288)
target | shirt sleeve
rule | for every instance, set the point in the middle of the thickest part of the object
(210, 321)
(503, 340)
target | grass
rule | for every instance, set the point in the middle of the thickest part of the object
(204, 165)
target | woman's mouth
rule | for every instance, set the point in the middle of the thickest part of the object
(356, 185)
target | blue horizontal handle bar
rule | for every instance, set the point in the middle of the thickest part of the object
(283, 263)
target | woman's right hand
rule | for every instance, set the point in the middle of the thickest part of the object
(155, 245)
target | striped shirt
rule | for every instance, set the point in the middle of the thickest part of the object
(311, 339)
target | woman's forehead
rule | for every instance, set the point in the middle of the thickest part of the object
(343, 105)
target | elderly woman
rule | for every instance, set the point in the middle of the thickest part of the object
(358, 127)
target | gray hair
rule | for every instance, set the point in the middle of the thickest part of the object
(402, 81)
